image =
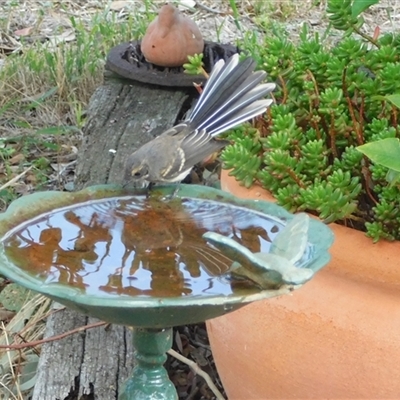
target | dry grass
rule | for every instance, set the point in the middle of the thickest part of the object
(18, 367)
(54, 59)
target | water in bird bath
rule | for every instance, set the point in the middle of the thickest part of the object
(136, 246)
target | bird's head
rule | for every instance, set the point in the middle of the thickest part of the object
(136, 169)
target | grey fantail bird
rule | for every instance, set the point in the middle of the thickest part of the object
(231, 96)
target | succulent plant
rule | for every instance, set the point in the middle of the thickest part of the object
(330, 100)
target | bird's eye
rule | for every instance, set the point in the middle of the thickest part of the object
(139, 173)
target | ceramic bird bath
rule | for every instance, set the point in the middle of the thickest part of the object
(154, 263)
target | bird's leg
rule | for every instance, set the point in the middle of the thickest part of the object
(176, 190)
(149, 188)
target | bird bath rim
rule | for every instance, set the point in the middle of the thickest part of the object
(22, 210)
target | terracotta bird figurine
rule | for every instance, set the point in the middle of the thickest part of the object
(170, 38)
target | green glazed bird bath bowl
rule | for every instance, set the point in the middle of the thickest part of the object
(154, 263)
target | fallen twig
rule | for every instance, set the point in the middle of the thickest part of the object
(52, 338)
(195, 368)
(209, 9)
(16, 178)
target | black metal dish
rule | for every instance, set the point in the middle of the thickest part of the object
(127, 60)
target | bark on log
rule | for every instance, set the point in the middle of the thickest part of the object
(121, 117)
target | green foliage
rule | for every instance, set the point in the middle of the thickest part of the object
(329, 101)
(195, 65)
(243, 156)
(385, 152)
(358, 6)
(334, 198)
(342, 15)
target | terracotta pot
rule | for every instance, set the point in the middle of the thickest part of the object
(170, 38)
(338, 337)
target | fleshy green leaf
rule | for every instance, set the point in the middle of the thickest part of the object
(393, 177)
(394, 99)
(359, 6)
(385, 152)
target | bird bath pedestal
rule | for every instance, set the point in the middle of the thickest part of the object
(154, 263)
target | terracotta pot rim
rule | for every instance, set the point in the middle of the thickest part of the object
(381, 261)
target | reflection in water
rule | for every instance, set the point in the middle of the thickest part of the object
(138, 246)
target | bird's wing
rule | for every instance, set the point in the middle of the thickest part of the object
(200, 144)
(192, 149)
(180, 129)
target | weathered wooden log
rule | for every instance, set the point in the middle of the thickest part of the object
(122, 115)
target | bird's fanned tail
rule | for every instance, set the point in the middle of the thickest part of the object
(230, 96)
